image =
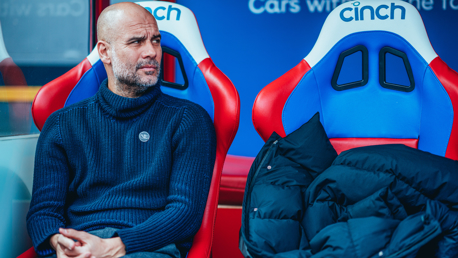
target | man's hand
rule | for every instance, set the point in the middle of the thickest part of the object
(63, 244)
(90, 246)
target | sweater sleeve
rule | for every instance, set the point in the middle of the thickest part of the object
(50, 186)
(194, 151)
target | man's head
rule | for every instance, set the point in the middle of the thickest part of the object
(129, 46)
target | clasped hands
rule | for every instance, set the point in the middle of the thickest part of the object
(86, 245)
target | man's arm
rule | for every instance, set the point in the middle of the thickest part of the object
(50, 184)
(194, 152)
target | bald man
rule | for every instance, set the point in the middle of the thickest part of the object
(127, 171)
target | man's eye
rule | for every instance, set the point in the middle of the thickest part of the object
(157, 41)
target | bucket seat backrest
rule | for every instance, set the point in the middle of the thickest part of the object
(374, 77)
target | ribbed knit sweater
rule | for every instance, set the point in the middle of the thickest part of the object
(95, 167)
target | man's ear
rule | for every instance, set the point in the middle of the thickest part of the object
(104, 48)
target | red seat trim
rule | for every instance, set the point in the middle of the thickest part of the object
(233, 180)
(237, 165)
(267, 117)
(449, 79)
(343, 144)
(226, 121)
(232, 196)
(53, 95)
(30, 253)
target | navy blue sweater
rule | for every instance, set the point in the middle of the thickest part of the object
(93, 171)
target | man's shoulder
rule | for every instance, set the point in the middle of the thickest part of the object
(81, 105)
(59, 118)
(67, 114)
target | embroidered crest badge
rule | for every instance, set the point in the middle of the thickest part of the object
(144, 136)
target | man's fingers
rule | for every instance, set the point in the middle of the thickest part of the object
(74, 234)
(66, 242)
(61, 255)
(73, 253)
(85, 255)
(60, 252)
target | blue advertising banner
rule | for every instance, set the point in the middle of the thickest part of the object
(256, 41)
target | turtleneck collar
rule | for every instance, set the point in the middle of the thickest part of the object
(126, 108)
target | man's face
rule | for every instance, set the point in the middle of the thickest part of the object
(136, 51)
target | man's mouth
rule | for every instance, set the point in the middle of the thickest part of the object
(148, 67)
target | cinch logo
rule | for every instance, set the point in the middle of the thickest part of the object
(381, 12)
(161, 12)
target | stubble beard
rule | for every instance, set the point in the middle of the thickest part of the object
(128, 82)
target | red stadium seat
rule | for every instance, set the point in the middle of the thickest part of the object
(374, 77)
(204, 84)
(11, 73)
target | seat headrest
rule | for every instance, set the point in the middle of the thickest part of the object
(393, 86)
(395, 16)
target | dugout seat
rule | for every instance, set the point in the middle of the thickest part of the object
(203, 84)
(375, 79)
(12, 75)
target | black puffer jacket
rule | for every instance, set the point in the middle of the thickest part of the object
(377, 201)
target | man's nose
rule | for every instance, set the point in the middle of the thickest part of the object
(149, 51)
